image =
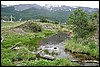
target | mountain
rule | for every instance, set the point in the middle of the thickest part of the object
(3, 5)
(22, 7)
(34, 11)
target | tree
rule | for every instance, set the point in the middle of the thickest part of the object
(94, 17)
(94, 26)
(43, 19)
(83, 28)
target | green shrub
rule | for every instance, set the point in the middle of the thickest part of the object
(36, 63)
(42, 62)
(32, 27)
(94, 53)
(43, 19)
(6, 62)
(92, 45)
(84, 27)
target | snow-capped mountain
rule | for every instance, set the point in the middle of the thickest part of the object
(34, 11)
(50, 7)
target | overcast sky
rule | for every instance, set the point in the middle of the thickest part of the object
(92, 4)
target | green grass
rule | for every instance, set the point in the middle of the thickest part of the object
(7, 62)
(42, 62)
(10, 24)
(90, 48)
(12, 39)
(29, 40)
(8, 53)
(75, 47)
(48, 32)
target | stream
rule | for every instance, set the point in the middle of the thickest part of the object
(54, 46)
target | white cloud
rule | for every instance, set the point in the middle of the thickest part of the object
(93, 4)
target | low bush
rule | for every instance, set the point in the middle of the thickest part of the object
(42, 62)
(7, 62)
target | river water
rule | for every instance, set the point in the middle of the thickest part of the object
(56, 44)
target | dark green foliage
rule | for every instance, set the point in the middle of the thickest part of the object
(92, 45)
(79, 19)
(6, 18)
(43, 19)
(7, 12)
(84, 28)
(94, 16)
(56, 22)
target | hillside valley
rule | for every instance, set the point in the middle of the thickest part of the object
(33, 11)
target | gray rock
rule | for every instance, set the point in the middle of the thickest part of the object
(49, 57)
(55, 39)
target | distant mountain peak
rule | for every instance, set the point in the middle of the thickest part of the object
(51, 5)
(34, 11)
(3, 5)
(22, 7)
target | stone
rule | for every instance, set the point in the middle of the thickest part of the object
(16, 48)
(56, 50)
(49, 57)
(2, 39)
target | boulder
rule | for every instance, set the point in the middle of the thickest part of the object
(43, 55)
(48, 57)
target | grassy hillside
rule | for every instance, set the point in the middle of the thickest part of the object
(15, 34)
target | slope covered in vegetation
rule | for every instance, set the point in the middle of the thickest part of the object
(27, 36)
